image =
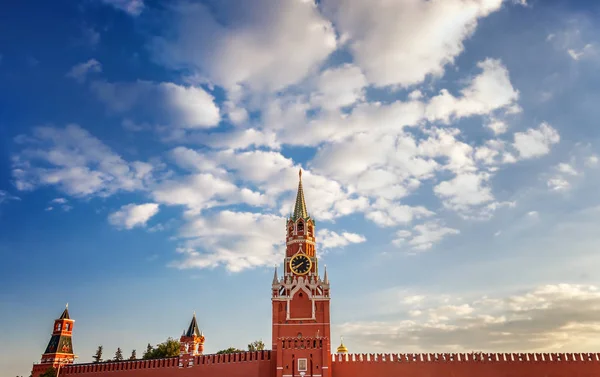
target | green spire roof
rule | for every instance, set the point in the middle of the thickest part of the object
(193, 329)
(300, 207)
(65, 313)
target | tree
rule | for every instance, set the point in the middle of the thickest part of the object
(169, 348)
(118, 354)
(98, 355)
(133, 355)
(257, 345)
(229, 350)
(148, 353)
(50, 372)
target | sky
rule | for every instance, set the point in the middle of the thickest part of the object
(150, 152)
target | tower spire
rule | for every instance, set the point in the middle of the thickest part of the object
(275, 278)
(193, 328)
(300, 207)
(65, 313)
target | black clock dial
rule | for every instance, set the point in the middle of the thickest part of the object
(300, 264)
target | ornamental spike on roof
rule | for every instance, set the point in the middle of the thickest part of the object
(300, 207)
(65, 313)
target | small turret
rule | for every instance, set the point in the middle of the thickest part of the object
(275, 278)
(325, 277)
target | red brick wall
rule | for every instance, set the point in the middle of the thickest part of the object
(246, 364)
(466, 365)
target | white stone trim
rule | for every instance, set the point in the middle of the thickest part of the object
(291, 242)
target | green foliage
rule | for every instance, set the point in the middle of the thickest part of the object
(98, 356)
(257, 345)
(50, 372)
(148, 354)
(118, 355)
(170, 348)
(133, 355)
(229, 350)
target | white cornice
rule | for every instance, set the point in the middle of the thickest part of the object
(301, 241)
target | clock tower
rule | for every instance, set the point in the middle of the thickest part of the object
(300, 302)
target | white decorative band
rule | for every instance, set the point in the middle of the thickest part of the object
(300, 241)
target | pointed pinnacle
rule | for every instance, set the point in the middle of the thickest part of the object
(67, 306)
(300, 205)
(325, 278)
(275, 279)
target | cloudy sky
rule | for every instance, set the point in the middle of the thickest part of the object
(150, 153)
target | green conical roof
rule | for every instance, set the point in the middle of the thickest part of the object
(193, 328)
(65, 313)
(300, 207)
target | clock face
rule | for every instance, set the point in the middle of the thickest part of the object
(300, 264)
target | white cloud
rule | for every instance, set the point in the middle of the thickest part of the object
(80, 71)
(551, 317)
(62, 202)
(5, 196)
(403, 42)
(498, 127)
(465, 190)
(202, 191)
(262, 45)
(339, 87)
(558, 184)
(132, 7)
(591, 161)
(133, 215)
(566, 169)
(76, 162)
(424, 236)
(176, 105)
(236, 240)
(329, 239)
(536, 142)
(487, 91)
(385, 213)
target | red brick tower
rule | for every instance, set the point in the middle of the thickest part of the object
(60, 348)
(300, 299)
(192, 344)
(192, 340)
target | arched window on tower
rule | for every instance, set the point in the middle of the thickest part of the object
(300, 226)
(310, 230)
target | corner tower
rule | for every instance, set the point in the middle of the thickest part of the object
(60, 347)
(300, 301)
(192, 340)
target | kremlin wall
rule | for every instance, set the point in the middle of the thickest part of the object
(301, 339)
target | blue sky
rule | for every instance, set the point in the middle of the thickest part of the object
(150, 153)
